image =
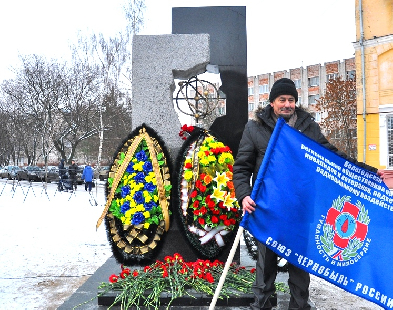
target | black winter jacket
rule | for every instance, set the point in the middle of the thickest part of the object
(253, 145)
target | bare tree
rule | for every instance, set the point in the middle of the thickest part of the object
(36, 92)
(80, 86)
(113, 56)
(338, 107)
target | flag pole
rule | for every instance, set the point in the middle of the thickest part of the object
(226, 268)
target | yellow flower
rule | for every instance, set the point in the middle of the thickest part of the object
(221, 160)
(140, 208)
(221, 179)
(188, 175)
(151, 177)
(126, 220)
(228, 201)
(204, 161)
(211, 158)
(148, 198)
(209, 139)
(146, 225)
(139, 166)
(130, 212)
(218, 194)
(146, 214)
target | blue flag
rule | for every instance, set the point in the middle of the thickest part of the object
(324, 215)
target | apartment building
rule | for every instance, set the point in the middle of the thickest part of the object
(310, 83)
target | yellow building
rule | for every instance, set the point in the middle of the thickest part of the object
(374, 68)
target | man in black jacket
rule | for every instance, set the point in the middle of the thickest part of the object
(252, 148)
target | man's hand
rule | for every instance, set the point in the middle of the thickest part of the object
(248, 205)
(381, 174)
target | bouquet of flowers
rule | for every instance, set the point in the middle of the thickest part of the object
(137, 196)
(213, 198)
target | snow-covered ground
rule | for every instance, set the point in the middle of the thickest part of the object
(49, 247)
(49, 244)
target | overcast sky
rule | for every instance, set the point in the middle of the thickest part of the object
(281, 34)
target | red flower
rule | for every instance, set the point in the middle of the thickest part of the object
(230, 167)
(203, 210)
(178, 257)
(113, 278)
(209, 277)
(227, 222)
(194, 194)
(188, 166)
(196, 204)
(135, 273)
(201, 221)
(125, 273)
(253, 270)
(214, 219)
(211, 204)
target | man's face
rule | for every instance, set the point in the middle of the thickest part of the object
(284, 106)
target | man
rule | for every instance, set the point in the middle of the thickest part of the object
(252, 148)
(72, 171)
(87, 175)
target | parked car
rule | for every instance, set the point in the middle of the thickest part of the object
(103, 173)
(2, 171)
(29, 173)
(9, 172)
(51, 175)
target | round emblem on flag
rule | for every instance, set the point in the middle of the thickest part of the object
(345, 225)
(344, 231)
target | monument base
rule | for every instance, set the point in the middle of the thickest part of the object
(194, 299)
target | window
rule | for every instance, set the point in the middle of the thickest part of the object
(298, 83)
(250, 91)
(263, 89)
(313, 99)
(351, 75)
(389, 120)
(313, 81)
(251, 106)
(331, 76)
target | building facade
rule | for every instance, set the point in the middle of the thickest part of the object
(374, 67)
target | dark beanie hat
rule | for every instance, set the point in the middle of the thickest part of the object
(283, 86)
